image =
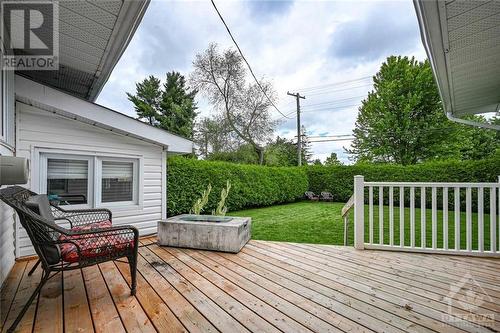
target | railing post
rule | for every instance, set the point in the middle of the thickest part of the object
(359, 212)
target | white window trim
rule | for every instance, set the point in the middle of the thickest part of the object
(90, 182)
(40, 178)
(98, 182)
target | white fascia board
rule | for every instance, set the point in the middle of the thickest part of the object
(128, 20)
(431, 32)
(58, 102)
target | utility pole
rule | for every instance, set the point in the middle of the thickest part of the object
(299, 136)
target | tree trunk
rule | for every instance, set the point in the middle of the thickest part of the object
(260, 152)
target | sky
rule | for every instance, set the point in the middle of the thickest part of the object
(325, 50)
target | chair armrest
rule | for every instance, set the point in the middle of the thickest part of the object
(80, 217)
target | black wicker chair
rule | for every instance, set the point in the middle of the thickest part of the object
(90, 240)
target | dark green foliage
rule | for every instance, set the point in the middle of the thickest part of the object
(244, 154)
(255, 186)
(339, 180)
(251, 185)
(147, 99)
(402, 121)
(332, 160)
(281, 152)
(170, 106)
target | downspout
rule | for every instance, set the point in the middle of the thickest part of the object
(451, 117)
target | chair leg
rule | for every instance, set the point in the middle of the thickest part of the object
(132, 261)
(16, 322)
(34, 268)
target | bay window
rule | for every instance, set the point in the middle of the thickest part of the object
(90, 181)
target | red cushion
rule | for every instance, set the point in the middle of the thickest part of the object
(87, 243)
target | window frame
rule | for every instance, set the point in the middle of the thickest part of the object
(135, 181)
(44, 157)
(95, 177)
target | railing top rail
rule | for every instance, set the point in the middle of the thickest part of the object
(432, 184)
(348, 206)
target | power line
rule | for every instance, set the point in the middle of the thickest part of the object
(244, 59)
(329, 136)
(322, 86)
(339, 107)
(336, 90)
(335, 101)
(333, 140)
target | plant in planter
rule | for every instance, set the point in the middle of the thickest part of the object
(201, 202)
(221, 209)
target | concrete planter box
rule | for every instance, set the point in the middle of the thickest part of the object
(206, 232)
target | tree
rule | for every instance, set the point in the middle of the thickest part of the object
(332, 160)
(221, 77)
(305, 146)
(401, 120)
(170, 106)
(244, 154)
(475, 143)
(281, 152)
(317, 161)
(147, 99)
(213, 135)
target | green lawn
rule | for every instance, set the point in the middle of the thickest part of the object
(320, 222)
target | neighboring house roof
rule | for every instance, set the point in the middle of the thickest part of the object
(52, 100)
(462, 40)
(92, 37)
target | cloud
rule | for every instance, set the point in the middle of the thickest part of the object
(294, 44)
(388, 28)
(265, 10)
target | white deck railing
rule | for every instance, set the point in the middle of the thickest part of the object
(427, 217)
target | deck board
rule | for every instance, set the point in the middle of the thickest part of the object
(267, 287)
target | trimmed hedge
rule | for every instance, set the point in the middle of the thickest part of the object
(251, 185)
(255, 186)
(339, 180)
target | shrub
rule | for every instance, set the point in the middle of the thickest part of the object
(339, 180)
(251, 185)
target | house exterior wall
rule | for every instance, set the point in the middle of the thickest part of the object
(7, 130)
(39, 131)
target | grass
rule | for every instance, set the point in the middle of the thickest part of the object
(321, 223)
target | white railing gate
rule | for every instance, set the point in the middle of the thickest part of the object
(389, 231)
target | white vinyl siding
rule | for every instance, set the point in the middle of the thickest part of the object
(6, 111)
(7, 216)
(40, 132)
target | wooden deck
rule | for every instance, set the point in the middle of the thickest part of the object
(267, 287)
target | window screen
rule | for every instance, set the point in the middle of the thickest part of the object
(67, 180)
(117, 181)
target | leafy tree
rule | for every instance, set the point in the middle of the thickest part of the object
(317, 162)
(170, 106)
(475, 143)
(221, 76)
(244, 154)
(281, 152)
(401, 120)
(213, 135)
(332, 160)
